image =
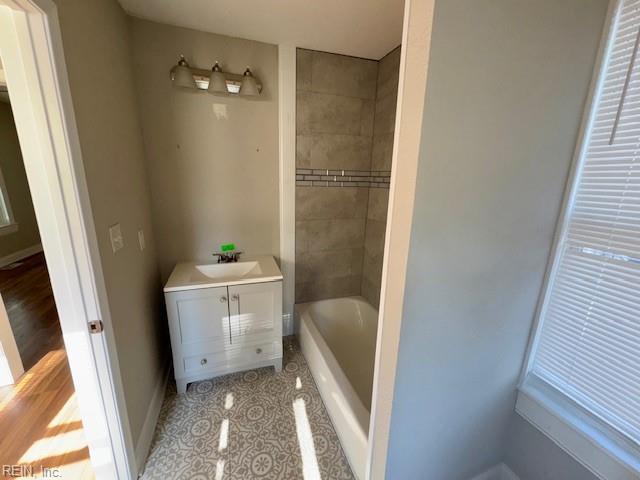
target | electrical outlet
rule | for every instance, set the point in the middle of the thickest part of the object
(141, 240)
(115, 234)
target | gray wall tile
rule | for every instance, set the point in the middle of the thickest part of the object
(370, 291)
(303, 70)
(385, 115)
(372, 269)
(367, 116)
(374, 238)
(388, 73)
(333, 151)
(378, 202)
(340, 120)
(332, 234)
(315, 203)
(381, 157)
(329, 264)
(322, 288)
(342, 75)
(324, 113)
(382, 151)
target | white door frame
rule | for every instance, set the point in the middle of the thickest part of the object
(287, 166)
(412, 87)
(416, 38)
(34, 64)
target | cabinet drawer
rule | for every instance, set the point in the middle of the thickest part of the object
(212, 361)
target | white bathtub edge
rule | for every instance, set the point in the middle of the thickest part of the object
(349, 416)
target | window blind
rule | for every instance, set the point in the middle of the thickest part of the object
(589, 343)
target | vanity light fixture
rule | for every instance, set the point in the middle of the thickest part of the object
(249, 86)
(217, 80)
(182, 75)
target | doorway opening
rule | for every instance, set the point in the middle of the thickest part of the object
(39, 416)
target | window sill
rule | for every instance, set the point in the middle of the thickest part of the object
(590, 441)
(9, 228)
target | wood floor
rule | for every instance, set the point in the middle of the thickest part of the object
(40, 426)
(28, 298)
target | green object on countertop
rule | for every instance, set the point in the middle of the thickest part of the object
(227, 247)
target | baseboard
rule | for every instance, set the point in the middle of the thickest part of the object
(20, 254)
(148, 428)
(497, 472)
(287, 324)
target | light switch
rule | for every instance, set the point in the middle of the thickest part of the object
(141, 239)
(115, 234)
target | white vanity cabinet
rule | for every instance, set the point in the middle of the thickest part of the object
(224, 329)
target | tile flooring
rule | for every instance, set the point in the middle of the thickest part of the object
(250, 425)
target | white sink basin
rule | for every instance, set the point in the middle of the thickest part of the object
(230, 270)
(250, 269)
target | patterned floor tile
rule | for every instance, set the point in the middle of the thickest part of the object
(243, 427)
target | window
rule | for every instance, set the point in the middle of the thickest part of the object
(7, 223)
(584, 362)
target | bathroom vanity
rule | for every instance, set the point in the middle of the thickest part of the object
(224, 318)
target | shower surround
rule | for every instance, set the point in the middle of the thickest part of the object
(344, 138)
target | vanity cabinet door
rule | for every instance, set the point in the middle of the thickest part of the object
(199, 317)
(256, 312)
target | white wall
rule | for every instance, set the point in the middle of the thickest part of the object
(97, 48)
(505, 93)
(212, 161)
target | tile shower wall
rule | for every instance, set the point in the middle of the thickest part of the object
(345, 118)
(385, 116)
(335, 125)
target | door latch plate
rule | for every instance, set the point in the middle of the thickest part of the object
(95, 326)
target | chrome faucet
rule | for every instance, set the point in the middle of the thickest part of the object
(228, 257)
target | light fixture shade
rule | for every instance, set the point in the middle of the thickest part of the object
(217, 80)
(249, 86)
(182, 76)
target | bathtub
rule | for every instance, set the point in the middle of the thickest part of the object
(338, 340)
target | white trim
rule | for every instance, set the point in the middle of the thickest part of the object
(287, 156)
(9, 228)
(497, 472)
(591, 442)
(34, 63)
(416, 40)
(20, 254)
(11, 367)
(151, 420)
(287, 325)
(5, 206)
(580, 434)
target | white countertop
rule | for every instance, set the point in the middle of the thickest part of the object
(188, 275)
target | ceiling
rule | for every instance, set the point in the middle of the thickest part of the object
(361, 28)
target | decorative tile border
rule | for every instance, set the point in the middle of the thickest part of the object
(307, 177)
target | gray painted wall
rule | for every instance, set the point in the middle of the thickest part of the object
(533, 456)
(212, 161)
(506, 89)
(15, 179)
(97, 48)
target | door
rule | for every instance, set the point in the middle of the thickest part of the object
(256, 315)
(33, 60)
(199, 320)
